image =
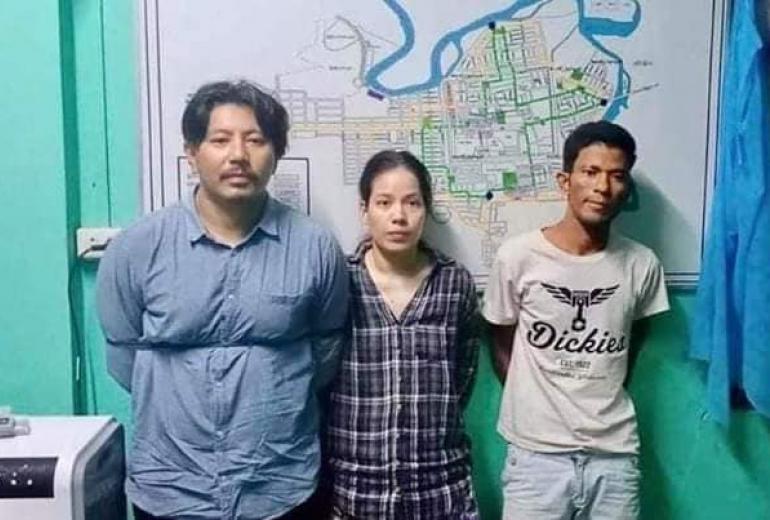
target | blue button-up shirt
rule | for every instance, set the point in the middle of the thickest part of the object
(221, 348)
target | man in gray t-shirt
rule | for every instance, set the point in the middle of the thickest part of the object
(561, 302)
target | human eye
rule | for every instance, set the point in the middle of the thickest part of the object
(382, 203)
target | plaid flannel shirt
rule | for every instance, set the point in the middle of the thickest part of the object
(395, 442)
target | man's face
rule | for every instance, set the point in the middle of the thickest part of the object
(395, 214)
(597, 186)
(235, 160)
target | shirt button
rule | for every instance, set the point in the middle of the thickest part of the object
(230, 296)
(218, 384)
(220, 434)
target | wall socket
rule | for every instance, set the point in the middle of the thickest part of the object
(91, 242)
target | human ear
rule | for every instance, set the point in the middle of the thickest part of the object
(562, 180)
(363, 214)
(190, 150)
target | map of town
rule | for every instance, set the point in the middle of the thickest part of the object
(492, 129)
(484, 94)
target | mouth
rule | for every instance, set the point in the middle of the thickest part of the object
(237, 177)
(602, 207)
(398, 236)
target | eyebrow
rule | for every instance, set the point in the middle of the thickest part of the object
(390, 194)
(228, 131)
(594, 167)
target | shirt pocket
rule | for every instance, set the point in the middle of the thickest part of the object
(431, 343)
(280, 317)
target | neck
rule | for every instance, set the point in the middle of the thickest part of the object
(406, 263)
(576, 238)
(229, 222)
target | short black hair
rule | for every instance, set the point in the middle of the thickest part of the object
(387, 160)
(609, 134)
(270, 114)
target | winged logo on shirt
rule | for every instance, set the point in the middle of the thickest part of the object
(579, 299)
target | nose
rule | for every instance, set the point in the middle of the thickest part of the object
(397, 213)
(602, 183)
(237, 150)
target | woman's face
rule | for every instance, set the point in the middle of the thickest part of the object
(395, 212)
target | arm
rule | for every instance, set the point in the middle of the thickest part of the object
(500, 347)
(469, 331)
(330, 313)
(639, 331)
(501, 310)
(653, 300)
(119, 305)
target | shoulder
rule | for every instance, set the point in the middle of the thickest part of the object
(640, 264)
(306, 239)
(518, 247)
(134, 249)
(146, 231)
(451, 269)
(300, 225)
(635, 252)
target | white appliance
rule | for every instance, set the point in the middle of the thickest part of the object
(67, 468)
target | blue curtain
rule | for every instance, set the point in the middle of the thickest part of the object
(731, 326)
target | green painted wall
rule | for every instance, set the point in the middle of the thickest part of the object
(106, 48)
(69, 101)
(35, 177)
(70, 135)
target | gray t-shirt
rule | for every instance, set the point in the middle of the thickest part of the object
(573, 314)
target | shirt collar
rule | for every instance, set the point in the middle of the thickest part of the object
(193, 225)
(269, 224)
(438, 257)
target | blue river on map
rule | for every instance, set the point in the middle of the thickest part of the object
(591, 28)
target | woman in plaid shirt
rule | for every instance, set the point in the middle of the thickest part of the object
(395, 442)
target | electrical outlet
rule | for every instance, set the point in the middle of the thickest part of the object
(91, 242)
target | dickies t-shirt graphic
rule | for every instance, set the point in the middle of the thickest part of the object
(573, 315)
(579, 299)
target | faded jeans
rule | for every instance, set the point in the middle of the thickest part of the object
(570, 486)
